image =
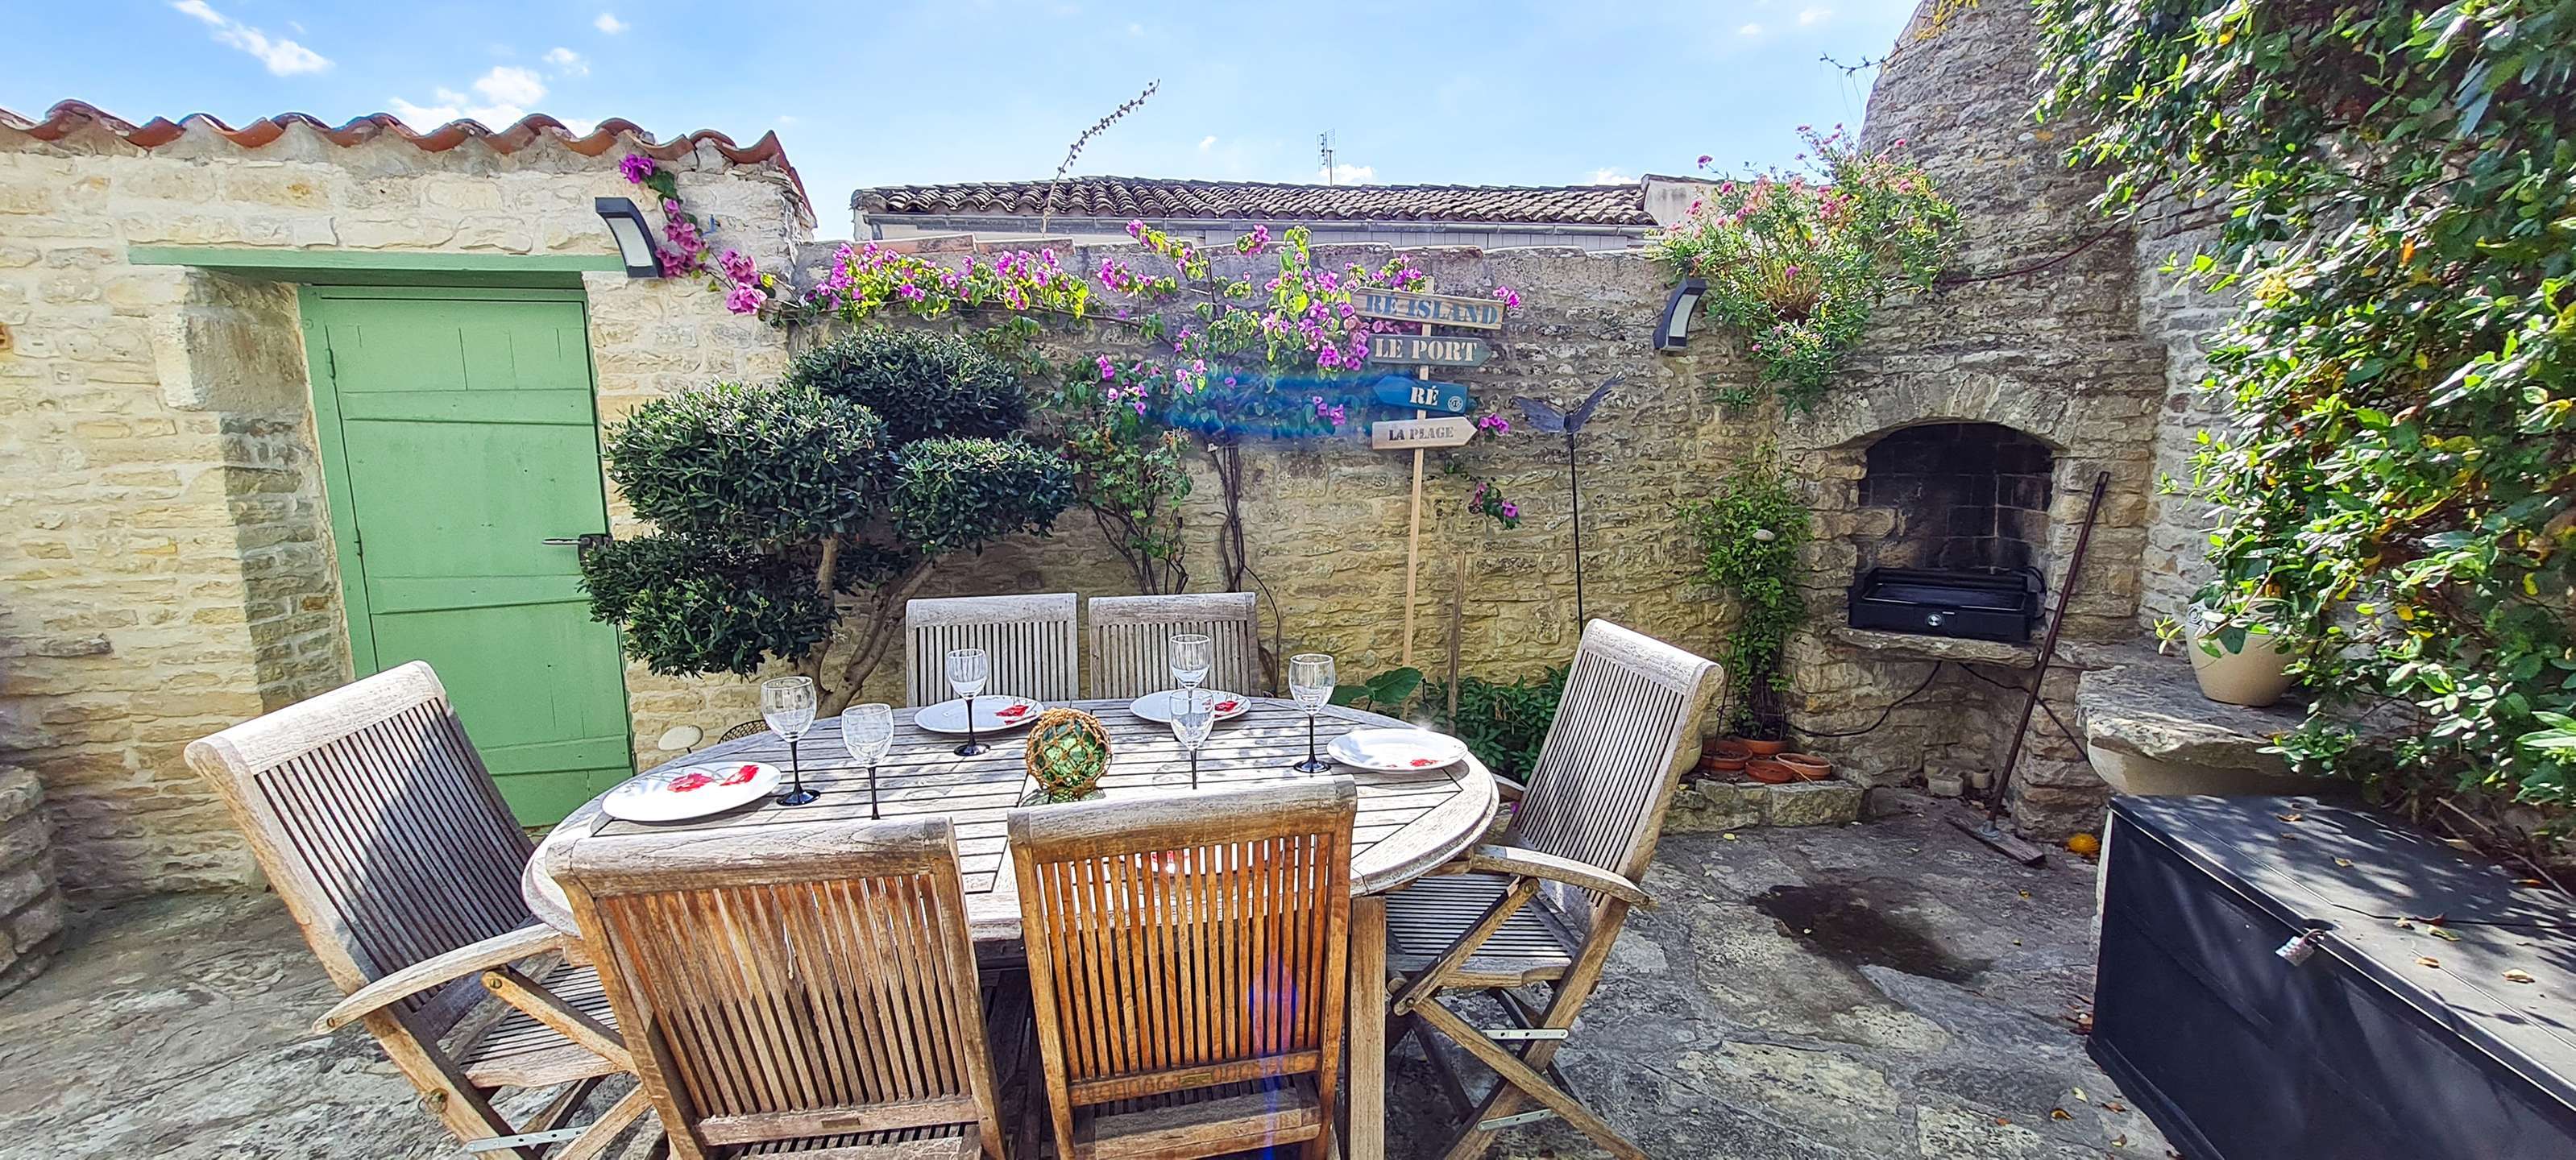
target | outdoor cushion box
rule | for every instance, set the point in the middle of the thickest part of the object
(2360, 1051)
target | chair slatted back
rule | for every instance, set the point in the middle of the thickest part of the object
(1616, 751)
(823, 986)
(1029, 640)
(1187, 942)
(1131, 639)
(380, 828)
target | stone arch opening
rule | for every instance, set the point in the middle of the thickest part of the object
(1961, 497)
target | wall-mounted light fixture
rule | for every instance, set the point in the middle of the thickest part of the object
(1674, 333)
(634, 236)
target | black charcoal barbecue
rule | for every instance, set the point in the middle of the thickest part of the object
(1974, 605)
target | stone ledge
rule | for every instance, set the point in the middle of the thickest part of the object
(2152, 708)
(1913, 646)
(1708, 807)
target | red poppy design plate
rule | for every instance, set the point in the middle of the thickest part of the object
(1398, 750)
(994, 714)
(691, 791)
(1157, 707)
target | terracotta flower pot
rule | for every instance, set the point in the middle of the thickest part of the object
(1769, 772)
(1725, 756)
(1807, 766)
(1764, 748)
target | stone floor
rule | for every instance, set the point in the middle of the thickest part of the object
(1888, 989)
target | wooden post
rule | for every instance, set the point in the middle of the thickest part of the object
(1413, 537)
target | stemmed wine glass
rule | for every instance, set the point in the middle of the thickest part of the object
(1310, 681)
(1193, 713)
(1192, 654)
(967, 669)
(868, 731)
(787, 704)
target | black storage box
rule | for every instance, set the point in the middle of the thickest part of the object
(2360, 1050)
(1969, 605)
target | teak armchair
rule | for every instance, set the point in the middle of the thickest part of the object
(1187, 959)
(1030, 640)
(817, 1000)
(1545, 905)
(381, 830)
(1131, 637)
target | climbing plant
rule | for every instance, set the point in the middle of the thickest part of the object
(1749, 531)
(2399, 472)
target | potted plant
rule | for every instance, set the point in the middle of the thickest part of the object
(2239, 657)
(1749, 532)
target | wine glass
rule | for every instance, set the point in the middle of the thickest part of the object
(1310, 681)
(967, 670)
(1192, 654)
(1193, 713)
(868, 731)
(787, 704)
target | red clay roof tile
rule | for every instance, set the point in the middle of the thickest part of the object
(1169, 198)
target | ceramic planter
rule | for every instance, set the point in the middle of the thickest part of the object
(1764, 748)
(2254, 675)
(1769, 772)
(1807, 766)
(1725, 756)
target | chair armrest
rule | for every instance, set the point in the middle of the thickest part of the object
(1510, 790)
(470, 959)
(1516, 861)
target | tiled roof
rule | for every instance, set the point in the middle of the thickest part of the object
(1170, 199)
(70, 117)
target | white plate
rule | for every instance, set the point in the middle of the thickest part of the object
(1157, 707)
(692, 791)
(996, 714)
(1397, 750)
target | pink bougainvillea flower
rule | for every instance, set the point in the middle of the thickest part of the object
(1510, 297)
(744, 299)
(1704, 159)
(737, 267)
(636, 167)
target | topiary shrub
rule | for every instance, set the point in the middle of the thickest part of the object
(780, 508)
(924, 384)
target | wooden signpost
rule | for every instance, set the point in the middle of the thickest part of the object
(1424, 351)
(1439, 398)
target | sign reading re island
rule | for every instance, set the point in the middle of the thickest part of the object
(1438, 310)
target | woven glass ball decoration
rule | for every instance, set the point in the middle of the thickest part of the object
(1068, 752)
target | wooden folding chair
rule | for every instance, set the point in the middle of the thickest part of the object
(1131, 638)
(1030, 640)
(1186, 958)
(816, 1000)
(1545, 905)
(383, 833)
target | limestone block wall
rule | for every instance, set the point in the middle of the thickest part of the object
(2188, 319)
(171, 571)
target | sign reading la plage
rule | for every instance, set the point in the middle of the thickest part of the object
(1428, 350)
(1438, 310)
(1415, 434)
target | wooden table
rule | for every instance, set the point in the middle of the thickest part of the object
(1408, 823)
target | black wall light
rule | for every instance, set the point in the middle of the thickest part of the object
(1674, 333)
(634, 236)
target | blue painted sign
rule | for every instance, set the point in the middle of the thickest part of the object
(1439, 398)
(1426, 350)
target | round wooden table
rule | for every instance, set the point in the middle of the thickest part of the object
(1408, 822)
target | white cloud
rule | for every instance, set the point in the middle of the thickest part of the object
(1135, 30)
(1815, 15)
(1208, 142)
(787, 118)
(283, 57)
(501, 97)
(1348, 175)
(568, 62)
(1749, 30)
(1609, 175)
(609, 23)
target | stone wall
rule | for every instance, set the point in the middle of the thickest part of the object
(172, 571)
(2175, 310)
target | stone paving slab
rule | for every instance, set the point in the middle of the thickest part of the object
(1880, 990)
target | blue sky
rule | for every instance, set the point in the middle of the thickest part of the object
(1494, 92)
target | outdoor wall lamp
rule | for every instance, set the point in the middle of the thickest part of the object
(634, 236)
(1675, 331)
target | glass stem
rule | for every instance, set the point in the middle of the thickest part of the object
(970, 721)
(794, 769)
(1194, 769)
(1310, 737)
(872, 791)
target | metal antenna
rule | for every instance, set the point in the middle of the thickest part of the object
(1324, 144)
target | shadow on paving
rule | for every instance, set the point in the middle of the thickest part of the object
(1891, 989)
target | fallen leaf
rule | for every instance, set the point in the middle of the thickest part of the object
(2517, 976)
(2289, 817)
(2528, 882)
(1730, 837)
(2289, 837)
(2058, 1114)
(2428, 961)
(2442, 932)
(2079, 1096)
(2113, 1106)
(2343, 861)
(2119, 1141)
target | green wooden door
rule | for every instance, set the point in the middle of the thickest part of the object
(459, 436)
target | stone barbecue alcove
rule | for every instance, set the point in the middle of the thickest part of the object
(1958, 496)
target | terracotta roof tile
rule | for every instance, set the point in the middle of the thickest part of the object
(1169, 198)
(70, 117)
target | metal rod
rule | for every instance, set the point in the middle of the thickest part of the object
(1574, 489)
(2048, 644)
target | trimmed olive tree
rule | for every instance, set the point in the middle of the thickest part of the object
(792, 521)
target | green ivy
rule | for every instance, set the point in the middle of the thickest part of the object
(2396, 183)
(1749, 532)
